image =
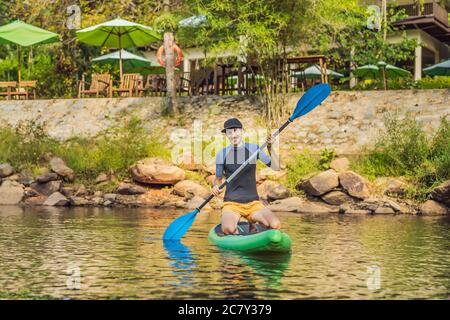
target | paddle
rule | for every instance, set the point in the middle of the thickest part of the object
(311, 99)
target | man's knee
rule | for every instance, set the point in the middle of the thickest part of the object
(275, 223)
(228, 229)
(273, 220)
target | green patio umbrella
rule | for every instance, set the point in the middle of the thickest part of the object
(25, 35)
(131, 62)
(313, 72)
(381, 70)
(440, 69)
(118, 33)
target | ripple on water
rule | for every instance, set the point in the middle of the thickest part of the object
(118, 254)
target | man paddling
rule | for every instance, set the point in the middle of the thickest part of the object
(241, 197)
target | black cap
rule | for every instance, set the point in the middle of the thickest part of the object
(231, 123)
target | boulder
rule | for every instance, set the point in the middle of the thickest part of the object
(56, 199)
(59, 166)
(394, 205)
(340, 164)
(81, 191)
(192, 203)
(45, 158)
(370, 204)
(286, 205)
(357, 211)
(97, 200)
(297, 204)
(110, 196)
(315, 207)
(395, 187)
(28, 192)
(433, 208)
(384, 210)
(210, 179)
(130, 189)
(11, 192)
(14, 177)
(188, 189)
(102, 177)
(156, 171)
(98, 193)
(107, 203)
(271, 190)
(321, 183)
(78, 201)
(67, 191)
(269, 173)
(6, 170)
(442, 193)
(354, 184)
(26, 177)
(46, 177)
(211, 168)
(35, 200)
(337, 198)
(46, 188)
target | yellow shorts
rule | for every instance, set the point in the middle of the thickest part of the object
(244, 210)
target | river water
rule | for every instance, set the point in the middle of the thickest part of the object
(95, 253)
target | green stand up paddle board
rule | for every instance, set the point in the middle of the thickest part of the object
(264, 240)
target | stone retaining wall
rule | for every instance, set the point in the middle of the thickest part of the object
(345, 122)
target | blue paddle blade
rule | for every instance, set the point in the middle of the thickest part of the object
(177, 229)
(311, 99)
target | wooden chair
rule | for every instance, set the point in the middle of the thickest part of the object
(101, 84)
(24, 88)
(10, 87)
(129, 84)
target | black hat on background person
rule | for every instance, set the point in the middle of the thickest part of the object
(231, 123)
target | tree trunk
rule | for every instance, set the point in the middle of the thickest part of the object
(170, 67)
(384, 19)
(170, 73)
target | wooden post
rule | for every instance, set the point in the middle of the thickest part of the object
(18, 64)
(216, 82)
(321, 70)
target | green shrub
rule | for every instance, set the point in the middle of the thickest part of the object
(326, 156)
(404, 149)
(405, 83)
(24, 144)
(115, 149)
(302, 165)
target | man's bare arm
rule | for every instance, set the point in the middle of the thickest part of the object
(216, 183)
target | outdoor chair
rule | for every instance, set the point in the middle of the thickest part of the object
(100, 84)
(6, 88)
(25, 90)
(129, 84)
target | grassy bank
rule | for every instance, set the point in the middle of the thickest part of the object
(111, 151)
(403, 149)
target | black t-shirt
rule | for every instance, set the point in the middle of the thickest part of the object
(242, 188)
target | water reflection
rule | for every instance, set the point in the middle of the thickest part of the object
(181, 260)
(121, 255)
